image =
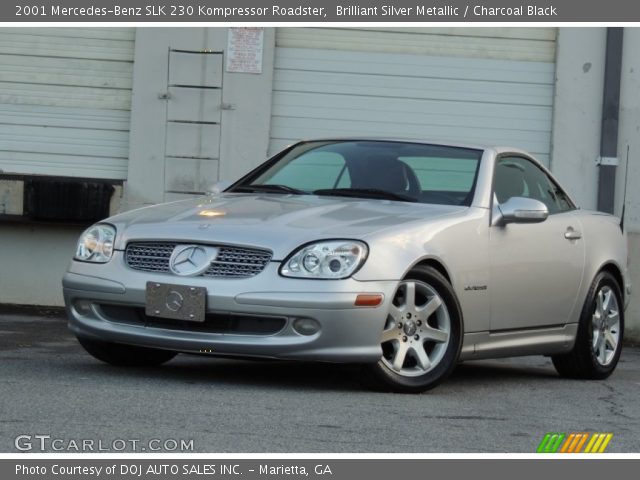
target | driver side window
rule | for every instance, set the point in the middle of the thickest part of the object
(519, 177)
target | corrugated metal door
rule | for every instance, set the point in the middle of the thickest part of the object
(474, 85)
(65, 96)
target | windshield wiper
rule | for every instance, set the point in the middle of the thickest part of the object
(365, 192)
(269, 188)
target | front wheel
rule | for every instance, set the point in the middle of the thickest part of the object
(422, 336)
(599, 340)
(125, 355)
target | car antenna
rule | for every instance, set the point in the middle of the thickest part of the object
(624, 192)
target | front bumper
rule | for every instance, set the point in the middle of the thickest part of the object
(347, 333)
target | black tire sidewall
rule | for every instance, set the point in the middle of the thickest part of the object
(122, 355)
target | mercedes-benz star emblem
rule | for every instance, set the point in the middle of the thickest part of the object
(174, 301)
(191, 260)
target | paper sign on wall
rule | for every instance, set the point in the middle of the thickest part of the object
(244, 50)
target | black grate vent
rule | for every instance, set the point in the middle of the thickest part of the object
(218, 322)
(66, 200)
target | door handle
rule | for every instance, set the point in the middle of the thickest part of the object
(572, 234)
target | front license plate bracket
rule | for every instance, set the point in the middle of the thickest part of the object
(175, 302)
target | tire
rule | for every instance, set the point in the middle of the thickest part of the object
(125, 355)
(421, 340)
(598, 344)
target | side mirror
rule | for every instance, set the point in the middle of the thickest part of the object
(523, 210)
(219, 187)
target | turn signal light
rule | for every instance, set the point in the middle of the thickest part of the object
(368, 300)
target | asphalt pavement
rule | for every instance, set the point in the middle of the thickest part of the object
(49, 387)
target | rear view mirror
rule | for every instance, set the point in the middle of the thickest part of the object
(523, 210)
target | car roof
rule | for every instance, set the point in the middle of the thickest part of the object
(473, 146)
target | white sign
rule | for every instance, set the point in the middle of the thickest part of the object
(244, 50)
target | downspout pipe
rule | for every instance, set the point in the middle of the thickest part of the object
(610, 115)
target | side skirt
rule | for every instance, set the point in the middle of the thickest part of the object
(513, 343)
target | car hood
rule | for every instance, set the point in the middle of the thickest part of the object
(279, 223)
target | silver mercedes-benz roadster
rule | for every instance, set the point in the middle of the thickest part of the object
(404, 256)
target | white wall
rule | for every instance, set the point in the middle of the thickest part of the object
(33, 259)
(577, 111)
(245, 128)
(244, 141)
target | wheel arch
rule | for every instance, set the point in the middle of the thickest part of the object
(436, 264)
(582, 361)
(616, 271)
(610, 266)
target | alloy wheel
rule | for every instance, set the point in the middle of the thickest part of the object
(605, 322)
(417, 331)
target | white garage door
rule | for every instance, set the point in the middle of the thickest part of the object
(65, 99)
(474, 85)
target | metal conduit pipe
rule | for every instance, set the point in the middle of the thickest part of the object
(608, 160)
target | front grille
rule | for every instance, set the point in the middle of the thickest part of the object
(231, 261)
(149, 257)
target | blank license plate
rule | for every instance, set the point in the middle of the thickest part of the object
(177, 302)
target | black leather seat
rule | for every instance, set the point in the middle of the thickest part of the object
(508, 182)
(380, 172)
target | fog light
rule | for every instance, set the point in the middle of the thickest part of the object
(306, 326)
(83, 307)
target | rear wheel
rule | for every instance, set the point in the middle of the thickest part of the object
(599, 340)
(125, 355)
(422, 335)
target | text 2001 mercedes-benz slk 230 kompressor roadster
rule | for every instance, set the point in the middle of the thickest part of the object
(404, 256)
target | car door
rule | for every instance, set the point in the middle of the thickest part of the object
(535, 268)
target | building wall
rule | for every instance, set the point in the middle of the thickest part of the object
(244, 124)
(33, 257)
(65, 97)
(632, 327)
(577, 111)
(629, 136)
(576, 133)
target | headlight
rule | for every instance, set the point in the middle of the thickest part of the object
(326, 260)
(96, 244)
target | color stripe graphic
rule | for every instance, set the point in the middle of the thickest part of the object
(556, 442)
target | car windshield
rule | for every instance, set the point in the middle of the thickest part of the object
(399, 171)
